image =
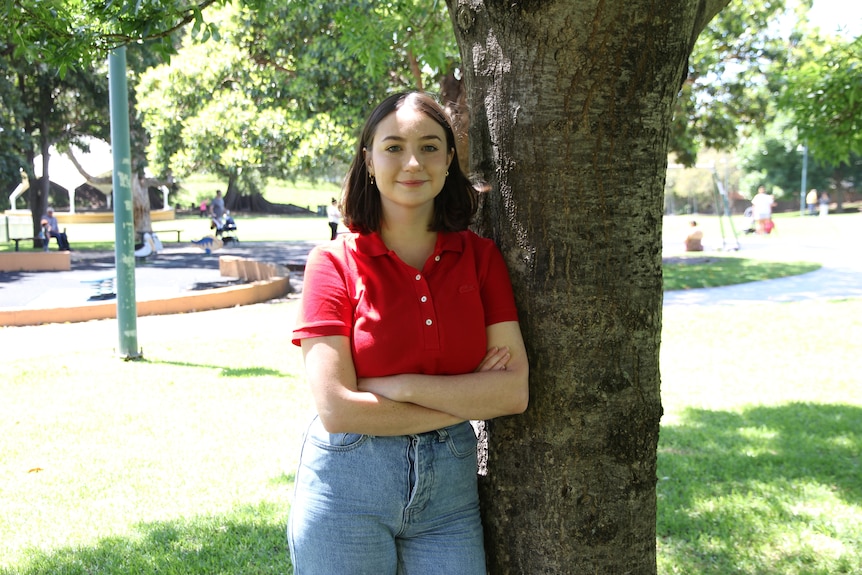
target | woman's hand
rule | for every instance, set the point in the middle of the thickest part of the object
(495, 359)
(498, 386)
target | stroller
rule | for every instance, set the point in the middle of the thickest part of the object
(225, 228)
(750, 227)
(749, 221)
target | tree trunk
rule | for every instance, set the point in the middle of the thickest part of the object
(141, 205)
(140, 193)
(39, 201)
(570, 112)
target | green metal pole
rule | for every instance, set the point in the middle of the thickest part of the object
(124, 221)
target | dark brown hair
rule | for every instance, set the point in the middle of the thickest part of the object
(454, 206)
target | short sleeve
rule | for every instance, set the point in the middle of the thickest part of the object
(326, 308)
(498, 298)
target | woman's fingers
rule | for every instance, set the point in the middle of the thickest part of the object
(496, 358)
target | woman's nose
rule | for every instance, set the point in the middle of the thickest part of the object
(412, 161)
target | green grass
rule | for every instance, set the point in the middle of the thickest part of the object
(691, 272)
(179, 464)
(182, 463)
(759, 453)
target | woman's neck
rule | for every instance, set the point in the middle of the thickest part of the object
(413, 242)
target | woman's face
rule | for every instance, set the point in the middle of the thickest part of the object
(409, 159)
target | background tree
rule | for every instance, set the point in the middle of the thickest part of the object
(571, 106)
(775, 158)
(824, 96)
(68, 41)
(732, 82)
(69, 35)
(45, 110)
(285, 101)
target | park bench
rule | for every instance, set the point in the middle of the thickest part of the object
(16, 240)
(33, 238)
(178, 232)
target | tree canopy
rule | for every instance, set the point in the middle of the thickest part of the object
(285, 100)
(79, 33)
(824, 95)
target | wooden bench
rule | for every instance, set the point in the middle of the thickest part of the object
(168, 231)
(16, 240)
(48, 240)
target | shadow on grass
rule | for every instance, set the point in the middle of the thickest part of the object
(732, 485)
(226, 371)
(248, 540)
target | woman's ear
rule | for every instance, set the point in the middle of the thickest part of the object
(369, 167)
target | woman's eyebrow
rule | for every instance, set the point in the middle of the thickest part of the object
(401, 139)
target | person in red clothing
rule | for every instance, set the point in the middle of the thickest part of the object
(409, 330)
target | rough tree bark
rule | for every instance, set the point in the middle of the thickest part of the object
(570, 108)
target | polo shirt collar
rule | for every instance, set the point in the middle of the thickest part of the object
(372, 244)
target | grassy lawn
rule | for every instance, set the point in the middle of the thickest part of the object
(178, 464)
(719, 270)
(759, 453)
(182, 463)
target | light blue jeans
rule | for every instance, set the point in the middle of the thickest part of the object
(369, 505)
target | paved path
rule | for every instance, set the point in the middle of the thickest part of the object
(179, 268)
(839, 278)
(182, 268)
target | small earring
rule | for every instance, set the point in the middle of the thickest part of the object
(372, 179)
(447, 173)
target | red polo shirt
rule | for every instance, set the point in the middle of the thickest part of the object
(400, 319)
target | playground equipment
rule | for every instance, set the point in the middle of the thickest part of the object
(152, 245)
(721, 199)
(20, 188)
(209, 244)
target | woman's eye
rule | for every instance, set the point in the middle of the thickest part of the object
(430, 148)
(393, 149)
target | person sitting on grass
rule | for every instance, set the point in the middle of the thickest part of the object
(693, 241)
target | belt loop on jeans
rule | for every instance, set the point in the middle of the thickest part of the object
(442, 435)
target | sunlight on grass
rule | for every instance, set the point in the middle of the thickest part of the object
(182, 461)
(694, 272)
(760, 443)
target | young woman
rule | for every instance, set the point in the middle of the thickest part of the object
(408, 329)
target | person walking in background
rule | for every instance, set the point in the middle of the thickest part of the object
(203, 208)
(217, 206)
(409, 330)
(811, 201)
(824, 205)
(334, 216)
(762, 204)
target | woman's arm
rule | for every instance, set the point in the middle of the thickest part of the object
(487, 393)
(343, 408)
